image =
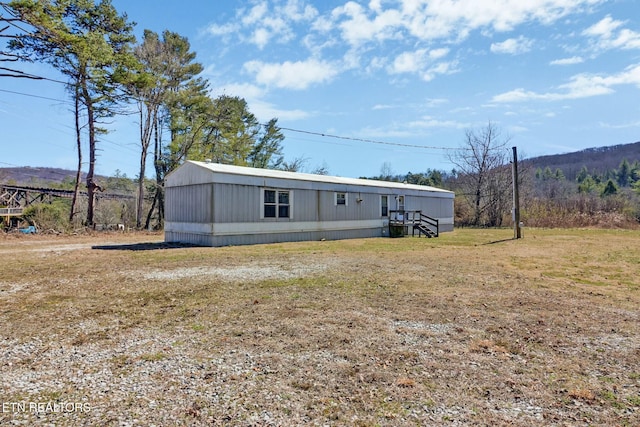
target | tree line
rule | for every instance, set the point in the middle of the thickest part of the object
(482, 180)
(108, 72)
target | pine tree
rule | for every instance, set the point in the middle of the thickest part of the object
(90, 44)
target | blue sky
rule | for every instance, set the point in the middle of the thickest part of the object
(404, 79)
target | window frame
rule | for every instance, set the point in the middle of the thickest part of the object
(278, 206)
(336, 198)
(384, 207)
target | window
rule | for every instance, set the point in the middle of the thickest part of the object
(384, 205)
(276, 204)
(340, 199)
(283, 204)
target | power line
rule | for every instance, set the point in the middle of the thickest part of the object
(372, 141)
(325, 135)
(35, 96)
(68, 102)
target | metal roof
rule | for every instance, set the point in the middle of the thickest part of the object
(298, 176)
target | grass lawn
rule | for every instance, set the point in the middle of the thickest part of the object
(471, 328)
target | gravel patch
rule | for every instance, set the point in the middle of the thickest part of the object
(248, 272)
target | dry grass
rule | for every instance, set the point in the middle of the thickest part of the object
(469, 329)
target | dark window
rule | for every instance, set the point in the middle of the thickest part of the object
(269, 211)
(269, 196)
(283, 197)
(276, 204)
(269, 203)
(341, 198)
(384, 202)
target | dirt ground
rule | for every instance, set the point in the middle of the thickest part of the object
(471, 328)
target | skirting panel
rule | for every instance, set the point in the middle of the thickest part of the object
(253, 239)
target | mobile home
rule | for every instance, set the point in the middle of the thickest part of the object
(212, 204)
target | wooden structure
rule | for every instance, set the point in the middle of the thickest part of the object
(401, 222)
(211, 204)
(14, 198)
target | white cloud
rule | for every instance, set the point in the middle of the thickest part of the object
(358, 28)
(428, 103)
(223, 30)
(353, 30)
(627, 125)
(383, 107)
(609, 35)
(254, 96)
(513, 46)
(567, 61)
(422, 62)
(580, 86)
(428, 122)
(434, 102)
(256, 13)
(409, 62)
(261, 37)
(266, 111)
(438, 53)
(263, 22)
(383, 133)
(243, 90)
(603, 28)
(440, 68)
(455, 19)
(296, 10)
(292, 75)
(379, 20)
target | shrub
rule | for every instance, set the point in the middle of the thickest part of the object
(49, 217)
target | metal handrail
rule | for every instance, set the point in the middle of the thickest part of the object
(404, 217)
(433, 222)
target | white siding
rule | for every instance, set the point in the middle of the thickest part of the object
(222, 205)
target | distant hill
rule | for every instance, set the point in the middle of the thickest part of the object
(28, 175)
(598, 160)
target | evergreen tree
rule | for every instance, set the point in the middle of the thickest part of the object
(609, 189)
(267, 150)
(90, 44)
(623, 174)
(166, 65)
(582, 175)
(587, 185)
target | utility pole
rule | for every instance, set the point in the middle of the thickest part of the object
(516, 197)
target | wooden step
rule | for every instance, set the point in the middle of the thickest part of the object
(424, 230)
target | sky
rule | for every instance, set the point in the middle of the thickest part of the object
(358, 86)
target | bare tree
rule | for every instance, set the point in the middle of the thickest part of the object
(295, 165)
(386, 172)
(484, 176)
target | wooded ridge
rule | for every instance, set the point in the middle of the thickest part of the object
(597, 160)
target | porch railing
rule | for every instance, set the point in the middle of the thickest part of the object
(424, 224)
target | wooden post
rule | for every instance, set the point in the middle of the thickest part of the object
(516, 197)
